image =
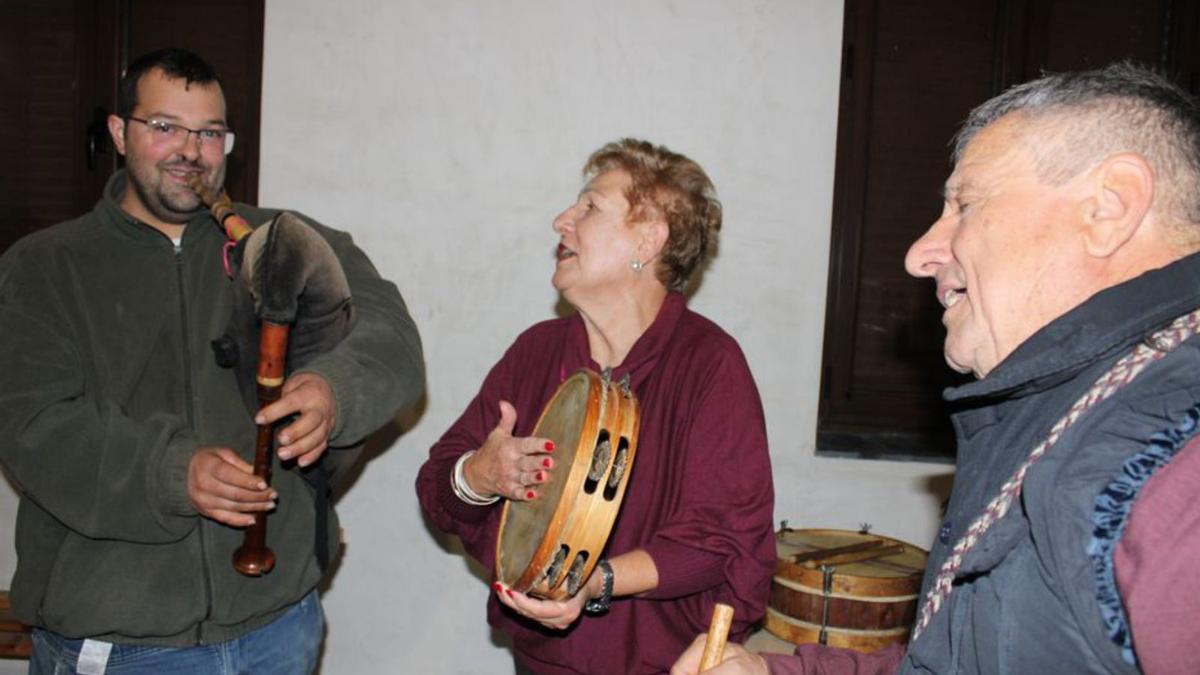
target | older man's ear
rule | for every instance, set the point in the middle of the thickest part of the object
(1121, 193)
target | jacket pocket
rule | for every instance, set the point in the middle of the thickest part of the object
(137, 590)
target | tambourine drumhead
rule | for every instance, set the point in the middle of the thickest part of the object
(870, 602)
(563, 422)
(548, 546)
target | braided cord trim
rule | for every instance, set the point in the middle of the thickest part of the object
(1122, 372)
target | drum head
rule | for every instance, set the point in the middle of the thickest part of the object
(907, 564)
(526, 522)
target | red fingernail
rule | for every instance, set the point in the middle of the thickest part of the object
(496, 586)
(540, 476)
(549, 446)
(546, 462)
(509, 591)
(529, 495)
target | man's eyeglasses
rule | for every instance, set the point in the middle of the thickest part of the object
(169, 132)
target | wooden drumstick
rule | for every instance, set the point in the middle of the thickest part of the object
(718, 632)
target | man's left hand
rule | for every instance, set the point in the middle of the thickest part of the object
(309, 396)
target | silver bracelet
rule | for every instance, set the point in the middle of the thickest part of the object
(462, 489)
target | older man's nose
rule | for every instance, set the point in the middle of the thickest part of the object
(931, 251)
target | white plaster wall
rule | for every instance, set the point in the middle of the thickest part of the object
(446, 134)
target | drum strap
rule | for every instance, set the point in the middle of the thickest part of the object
(1123, 372)
(321, 536)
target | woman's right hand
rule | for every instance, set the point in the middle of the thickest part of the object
(506, 465)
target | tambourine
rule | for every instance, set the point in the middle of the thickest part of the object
(548, 546)
(843, 588)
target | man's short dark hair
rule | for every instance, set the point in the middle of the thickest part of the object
(175, 63)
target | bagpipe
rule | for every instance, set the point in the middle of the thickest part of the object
(291, 303)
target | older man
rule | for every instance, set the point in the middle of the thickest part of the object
(1064, 259)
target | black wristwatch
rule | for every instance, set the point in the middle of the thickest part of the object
(601, 604)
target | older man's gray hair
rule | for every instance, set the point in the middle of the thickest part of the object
(1072, 121)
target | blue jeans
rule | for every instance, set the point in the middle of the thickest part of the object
(287, 646)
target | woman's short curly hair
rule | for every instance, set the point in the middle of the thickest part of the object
(666, 185)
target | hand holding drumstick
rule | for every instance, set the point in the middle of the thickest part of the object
(710, 654)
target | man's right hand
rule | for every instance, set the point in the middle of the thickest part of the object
(222, 486)
(735, 660)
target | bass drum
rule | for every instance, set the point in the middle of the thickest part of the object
(844, 588)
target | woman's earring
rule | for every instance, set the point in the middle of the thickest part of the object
(636, 265)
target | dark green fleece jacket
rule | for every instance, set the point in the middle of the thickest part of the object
(108, 385)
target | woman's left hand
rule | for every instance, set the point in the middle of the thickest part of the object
(555, 614)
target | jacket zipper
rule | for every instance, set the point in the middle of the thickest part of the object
(189, 417)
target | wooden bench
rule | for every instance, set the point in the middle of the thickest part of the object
(15, 640)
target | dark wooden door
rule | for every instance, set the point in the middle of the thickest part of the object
(911, 71)
(60, 61)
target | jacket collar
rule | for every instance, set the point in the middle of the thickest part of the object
(1109, 322)
(110, 211)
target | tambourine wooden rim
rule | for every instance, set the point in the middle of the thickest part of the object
(548, 547)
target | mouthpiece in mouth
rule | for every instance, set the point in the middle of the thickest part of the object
(234, 225)
(201, 191)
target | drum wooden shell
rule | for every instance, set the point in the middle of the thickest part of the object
(548, 546)
(870, 603)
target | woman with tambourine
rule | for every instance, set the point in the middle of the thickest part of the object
(695, 526)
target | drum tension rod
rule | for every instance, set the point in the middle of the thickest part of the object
(826, 590)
